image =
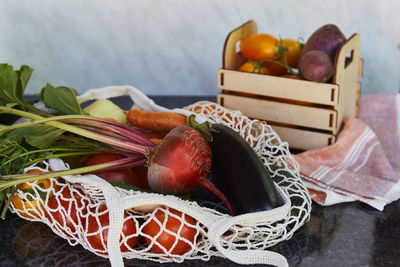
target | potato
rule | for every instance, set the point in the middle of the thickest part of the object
(327, 38)
(316, 66)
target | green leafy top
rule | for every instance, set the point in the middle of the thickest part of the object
(61, 132)
(12, 88)
(21, 147)
(62, 99)
(13, 83)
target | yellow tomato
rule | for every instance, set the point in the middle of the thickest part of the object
(292, 57)
(253, 67)
(258, 46)
(24, 201)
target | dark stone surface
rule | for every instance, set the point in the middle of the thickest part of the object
(350, 234)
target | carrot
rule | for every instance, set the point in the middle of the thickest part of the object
(155, 121)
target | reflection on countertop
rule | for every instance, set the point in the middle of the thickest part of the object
(350, 234)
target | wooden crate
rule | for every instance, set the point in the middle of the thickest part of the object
(305, 114)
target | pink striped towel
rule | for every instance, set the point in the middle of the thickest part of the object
(364, 162)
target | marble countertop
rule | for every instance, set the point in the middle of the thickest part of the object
(350, 234)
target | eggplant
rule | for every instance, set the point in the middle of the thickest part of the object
(240, 174)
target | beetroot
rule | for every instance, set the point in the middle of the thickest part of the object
(182, 153)
(316, 66)
(178, 164)
(327, 38)
(181, 162)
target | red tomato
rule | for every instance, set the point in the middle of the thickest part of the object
(126, 176)
(97, 231)
(258, 46)
(154, 136)
(141, 173)
(165, 239)
(67, 210)
(151, 134)
(292, 76)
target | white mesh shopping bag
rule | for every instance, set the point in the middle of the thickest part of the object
(118, 223)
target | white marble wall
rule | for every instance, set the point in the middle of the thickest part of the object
(175, 46)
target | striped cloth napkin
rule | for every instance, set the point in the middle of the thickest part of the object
(363, 163)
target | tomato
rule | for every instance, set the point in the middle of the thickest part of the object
(293, 51)
(26, 200)
(97, 231)
(141, 173)
(165, 239)
(67, 209)
(258, 46)
(151, 134)
(155, 137)
(292, 56)
(126, 175)
(291, 76)
(252, 66)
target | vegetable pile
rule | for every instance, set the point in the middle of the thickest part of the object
(312, 60)
(266, 54)
(160, 152)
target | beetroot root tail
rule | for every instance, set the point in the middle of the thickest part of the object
(213, 189)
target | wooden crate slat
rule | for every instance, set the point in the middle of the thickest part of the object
(266, 85)
(302, 139)
(272, 111)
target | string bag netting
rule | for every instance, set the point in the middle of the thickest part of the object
(117, 223)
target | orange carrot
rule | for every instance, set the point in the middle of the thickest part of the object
(155, 121)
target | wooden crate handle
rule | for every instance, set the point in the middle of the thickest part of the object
(347, 56)
(347, 73)
(232, 58)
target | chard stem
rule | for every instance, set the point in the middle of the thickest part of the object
(23, 178)
(60, 155)
(28, 106)
(53, 121)
(120, 128)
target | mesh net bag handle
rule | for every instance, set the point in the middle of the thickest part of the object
(143, 102)
(215, 224)
(113, 200)
(258, 230)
